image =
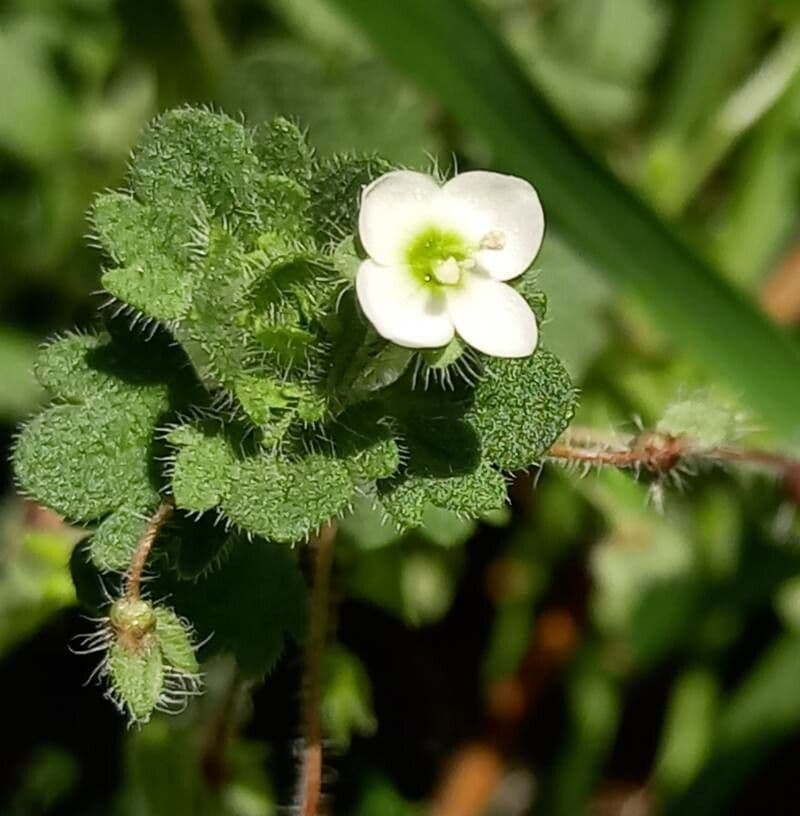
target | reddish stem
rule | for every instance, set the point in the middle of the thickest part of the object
(660, 453)
(143, 548)
(311, 780)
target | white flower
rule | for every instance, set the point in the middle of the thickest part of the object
(439, 256)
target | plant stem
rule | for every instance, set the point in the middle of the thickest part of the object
(661, 453)
(133, 589)
(311, 780)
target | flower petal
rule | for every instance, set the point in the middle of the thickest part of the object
(492, 317)
(401, 309)
(393, 207)
(506, 205)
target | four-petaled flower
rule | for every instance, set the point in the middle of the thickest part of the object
(439, 256)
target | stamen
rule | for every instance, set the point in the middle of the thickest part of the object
(447, 272)
(494, 239)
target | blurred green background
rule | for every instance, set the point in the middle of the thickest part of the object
(588, 652)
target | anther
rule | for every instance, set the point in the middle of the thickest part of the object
(447, 272)
(494, 239)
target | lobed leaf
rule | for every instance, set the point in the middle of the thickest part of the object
(273, 496)
(115, 540)
(336, 193)
(444, 465)
(93, 455)
(521, 407)
(249, 606)
(364, 440)
(152, 250)
(202, 468)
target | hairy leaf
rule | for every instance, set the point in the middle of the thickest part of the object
(152, 250)
(90, 453)
(114, 541)
(249, 606)
(273, 496)
(444, 467)
(175, 642)
(521, 407)
(137, 677)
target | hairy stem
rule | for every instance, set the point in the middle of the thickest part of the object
(311, 780)
(660, 453)
(142, 553)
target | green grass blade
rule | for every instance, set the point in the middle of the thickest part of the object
(448, 48)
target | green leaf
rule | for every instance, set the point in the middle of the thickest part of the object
(202, 469)
(205, 192)
(336, 193)
(137, 677)
(384, 367)
(709, 419)
(407, 497)
(279, 498)
(249, 606)
(152, 248)
(365, 443)
(175, 642)
(530, 287)
(213, 159)
(266, 399)
(213, 336)
(444, 467)
(93, 455)
(79, 367)
(449, 49)
(283, 499)
(521, 407)
(282, 149)
(115, 540)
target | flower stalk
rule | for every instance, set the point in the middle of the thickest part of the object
(133, 587)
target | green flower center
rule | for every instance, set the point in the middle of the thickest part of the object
(435, 257)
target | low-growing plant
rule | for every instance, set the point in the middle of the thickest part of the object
(237, 399)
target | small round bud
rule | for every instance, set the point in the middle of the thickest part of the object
(132, 618)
